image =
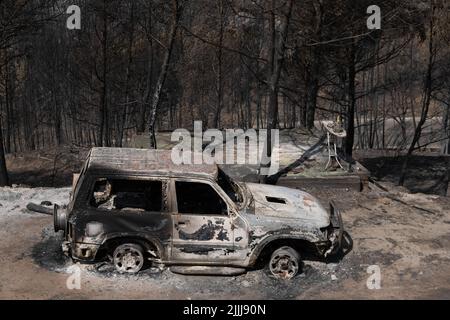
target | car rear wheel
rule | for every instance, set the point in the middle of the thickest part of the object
(284, 263)
(128, 258)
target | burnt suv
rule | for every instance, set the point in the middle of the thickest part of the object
(137, 208)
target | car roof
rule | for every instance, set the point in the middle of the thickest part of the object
(144, 161)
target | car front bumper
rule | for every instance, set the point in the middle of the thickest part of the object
(80, 251)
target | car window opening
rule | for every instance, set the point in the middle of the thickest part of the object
(199, 198)
(121, 194)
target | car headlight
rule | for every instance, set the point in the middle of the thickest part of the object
(94, 228)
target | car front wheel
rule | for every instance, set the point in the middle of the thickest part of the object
(284, 263)
(128, 258)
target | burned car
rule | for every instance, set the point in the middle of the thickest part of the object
(137, 208)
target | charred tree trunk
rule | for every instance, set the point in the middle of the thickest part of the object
(163, 74)
(276, 57)
(258, 105)
(9, 94)
(349, 140)
(446, 128)
(312, 89)
(126, 107)
(104, 119)
(141, 118)
(4, 179)
(311, 99)
(219, 67)
(428, 91)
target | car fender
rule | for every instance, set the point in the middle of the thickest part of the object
(138, 235)
(261, 245)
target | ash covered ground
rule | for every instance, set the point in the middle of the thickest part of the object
(406, 235)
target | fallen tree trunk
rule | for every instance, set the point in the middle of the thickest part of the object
(273, 179)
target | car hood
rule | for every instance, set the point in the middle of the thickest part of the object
(282, 202)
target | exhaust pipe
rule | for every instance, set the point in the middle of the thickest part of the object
(40, 209)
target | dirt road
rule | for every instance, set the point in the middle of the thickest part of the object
(411, 246)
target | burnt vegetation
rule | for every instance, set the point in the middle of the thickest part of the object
(152, 65)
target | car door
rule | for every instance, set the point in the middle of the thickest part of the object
(128, 207)
(202, 226)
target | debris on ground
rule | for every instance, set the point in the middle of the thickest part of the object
(409, 245)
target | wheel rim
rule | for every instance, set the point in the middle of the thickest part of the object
(128, 259)
(283, 266)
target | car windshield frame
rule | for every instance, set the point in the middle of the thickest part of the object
(230, 187)
(75, 190)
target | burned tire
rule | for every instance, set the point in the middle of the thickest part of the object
(128, 258)
(284, 263)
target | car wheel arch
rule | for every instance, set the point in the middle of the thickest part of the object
(266, 246)
(146, 241)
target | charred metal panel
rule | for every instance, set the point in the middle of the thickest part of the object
(296, 204)
(145, 161)
(266, 229)
(267, 213)
(153, 226)
(199, 238)
(204, 233)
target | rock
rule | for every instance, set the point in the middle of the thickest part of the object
(333, 277)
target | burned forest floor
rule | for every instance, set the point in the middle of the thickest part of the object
(427, 172)
(406, 235)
